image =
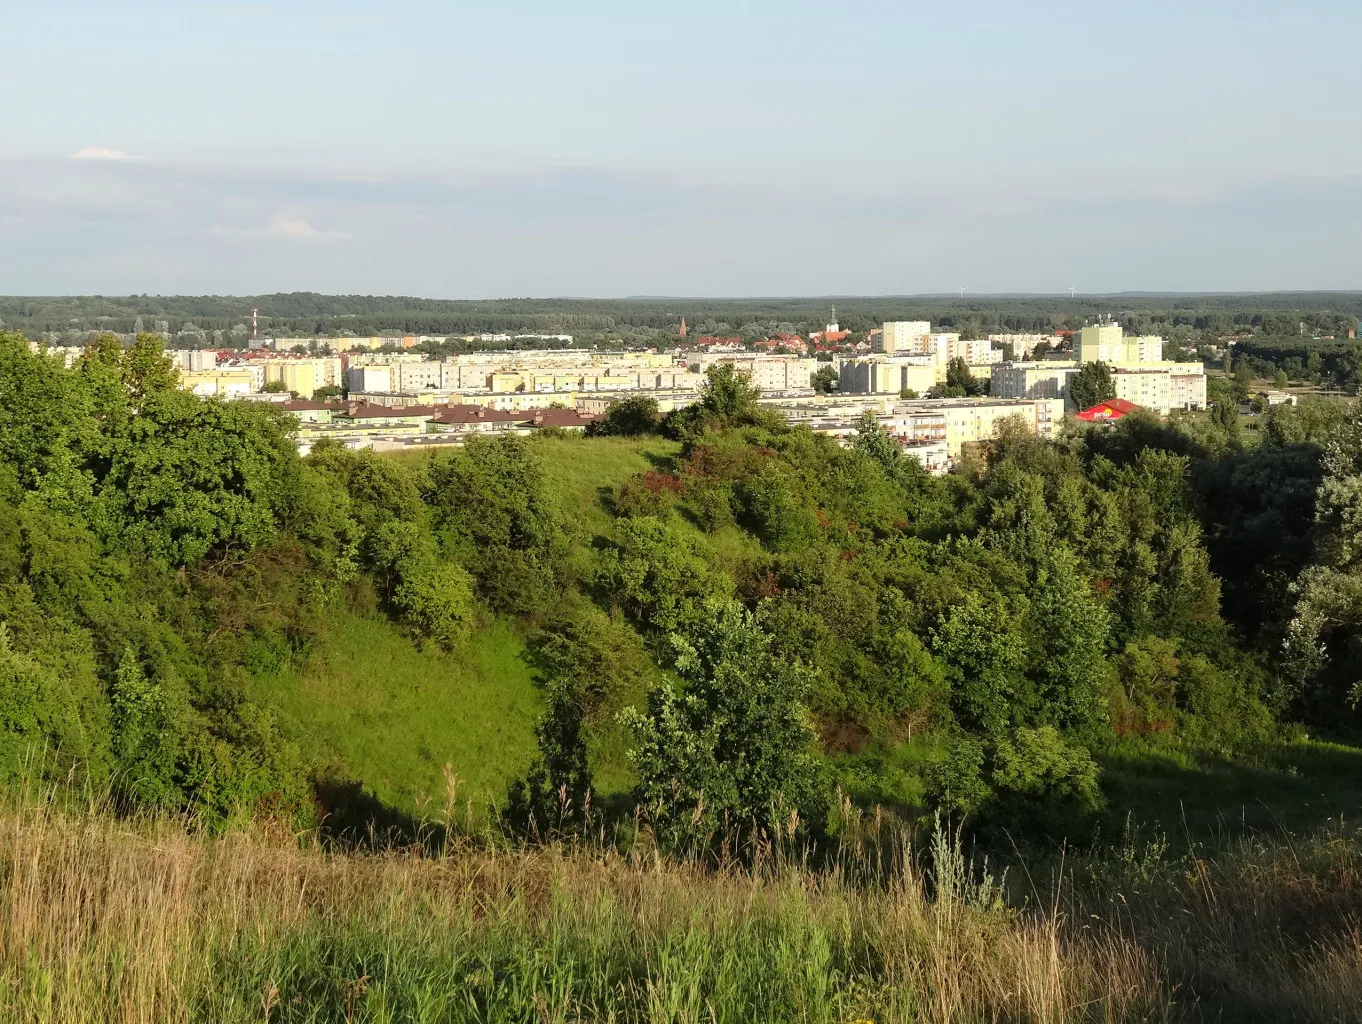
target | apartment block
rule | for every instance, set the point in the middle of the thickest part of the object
(901, 337)
(1031, 380)
(1108, 343)
(419, 375)
(885, 375)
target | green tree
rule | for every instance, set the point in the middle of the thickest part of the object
(825, 380)
(959, 378)
(629, 417)
(145, 737)
(554, 797)
(432, 596)
(1225, 415)
(732, 750)
(147, 370)
(874, 441)
(46, 429)
(493, 506)
(1091, 385)
(1243, 379)
(727, 393)
(190, 477)
(657, 575)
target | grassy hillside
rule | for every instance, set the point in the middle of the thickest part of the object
(386, 713)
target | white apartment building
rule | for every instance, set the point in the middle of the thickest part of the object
(976, 352)
(370, 377)
(1023, 344)
(1162, 387)
(1031, 380)
(419, 375)
(769, 373)
(194, 359)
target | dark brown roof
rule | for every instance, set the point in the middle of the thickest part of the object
(453, 415)
(561, 418)
(364, 411)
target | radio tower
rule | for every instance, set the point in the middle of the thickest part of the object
(255, 324)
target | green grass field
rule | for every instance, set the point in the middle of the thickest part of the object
(1286, 787)
(381, 711)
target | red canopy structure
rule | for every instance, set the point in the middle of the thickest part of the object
(1106, 412)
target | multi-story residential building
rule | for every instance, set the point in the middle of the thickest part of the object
(194, 358)
(888, 375)
(902, 337)
(1187, 386)
(367, 377)
(953, 422)
(419, 375)
(1159, 386)
(297, 375)
(1023, 345)
(227, 382)
(1031, 380)
(1162, 387)
(965, 421)
(1108, 343)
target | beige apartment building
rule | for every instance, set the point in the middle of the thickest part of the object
(1108, 343)
(901, 337)
(888, 375)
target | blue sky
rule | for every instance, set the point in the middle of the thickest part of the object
(470, 150)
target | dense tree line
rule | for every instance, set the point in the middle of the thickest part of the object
(1185, 317)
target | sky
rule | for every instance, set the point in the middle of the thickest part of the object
(745, 147)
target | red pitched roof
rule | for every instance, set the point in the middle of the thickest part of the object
(1105, 412)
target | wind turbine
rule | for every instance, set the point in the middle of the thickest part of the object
(1073, 290)
(962, 291)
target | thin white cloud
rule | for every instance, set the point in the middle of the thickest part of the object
(283, 225)
(98, 153)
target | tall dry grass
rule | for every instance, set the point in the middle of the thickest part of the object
(149, 922)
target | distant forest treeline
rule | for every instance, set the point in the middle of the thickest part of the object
(304, 313)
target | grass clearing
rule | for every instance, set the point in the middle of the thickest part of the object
(392, 715)
(1296, 787)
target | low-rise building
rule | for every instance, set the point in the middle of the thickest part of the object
(220, 383)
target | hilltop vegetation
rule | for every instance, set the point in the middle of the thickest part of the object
(702, 718)
(724, 621)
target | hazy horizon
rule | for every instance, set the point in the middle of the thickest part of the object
(862, 148)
